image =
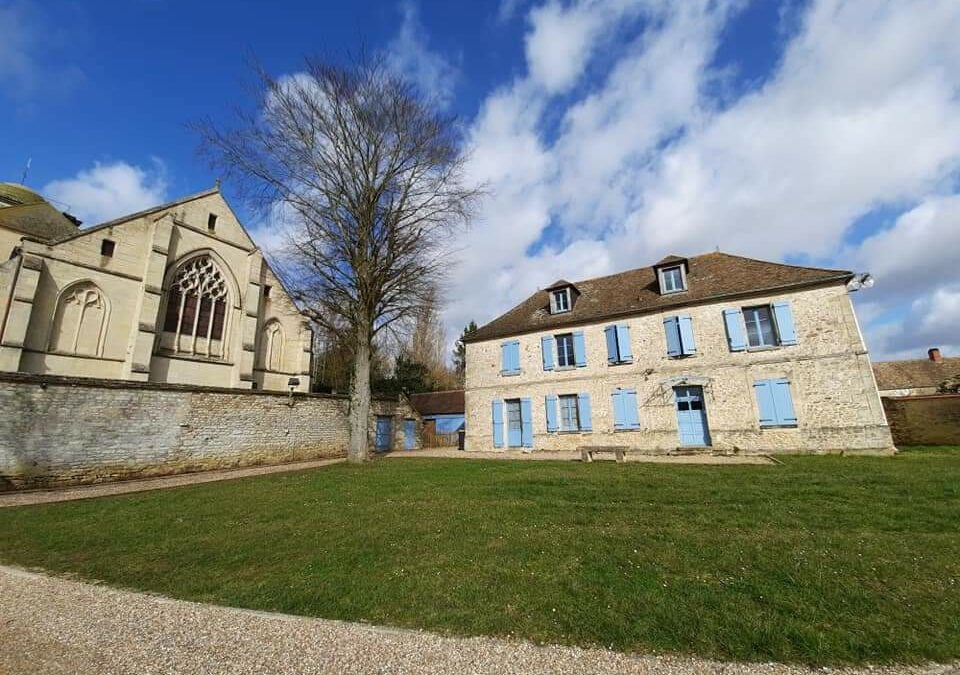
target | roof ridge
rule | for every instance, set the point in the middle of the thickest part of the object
(140, 214)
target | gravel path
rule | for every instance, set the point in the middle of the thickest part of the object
(52, 625)
(573, 455)
(122, 487)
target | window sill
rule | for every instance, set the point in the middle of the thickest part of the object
(620, 431)
(680, 357)
(620, 363)
(512, 373)
(572, 431)
(561, 369)
(762, 348)
(778, 426)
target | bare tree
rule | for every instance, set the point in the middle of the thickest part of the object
(428, 345)
(370, 180)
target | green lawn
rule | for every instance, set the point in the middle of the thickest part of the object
(822, 560)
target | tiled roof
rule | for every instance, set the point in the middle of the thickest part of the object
(710, 276)
(37, 219)
(915, 373)
(439, 402)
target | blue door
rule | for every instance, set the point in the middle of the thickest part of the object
(514, 424)
(384, 433)
(409, 434)
(691, 416)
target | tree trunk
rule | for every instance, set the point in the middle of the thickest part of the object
(360, 400)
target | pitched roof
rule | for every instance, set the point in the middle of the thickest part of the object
(439, 402)
(669, 259)
(915, 373)
(710, 276)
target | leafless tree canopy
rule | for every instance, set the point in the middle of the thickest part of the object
(370, 181)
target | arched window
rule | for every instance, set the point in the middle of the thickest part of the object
(273, 346)
(80, 320)
(197, 308)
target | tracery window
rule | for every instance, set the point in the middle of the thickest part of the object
(273, 346)
(80, 321)
(197, 308)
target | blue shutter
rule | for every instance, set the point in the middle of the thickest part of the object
(734, 322)
(768, 409)
(619, 419)
(551, 405)
(785, 329)
(623, 342)
(510, 358)
(497, 423)
(546, 343)
(631, 415)
(672, 331)
(526, 423)
(687, 343)
(613, 355)
(579, 350)
(586, 423)
(783, 402)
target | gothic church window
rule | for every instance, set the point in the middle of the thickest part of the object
(197, 308)
(80, 321)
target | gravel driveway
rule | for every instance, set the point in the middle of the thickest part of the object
(51, 625)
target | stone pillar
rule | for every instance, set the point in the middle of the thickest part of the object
(144, 331)
(249, 323)
(18, 314)
(305, 356)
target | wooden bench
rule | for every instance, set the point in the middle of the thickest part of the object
(588, 451)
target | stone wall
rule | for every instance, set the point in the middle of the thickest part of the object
(57, 431)
(924, 420)
(831, 381)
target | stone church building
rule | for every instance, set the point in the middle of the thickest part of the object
(178, 293)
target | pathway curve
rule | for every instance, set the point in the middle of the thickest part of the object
(26, 497)
(50, 625)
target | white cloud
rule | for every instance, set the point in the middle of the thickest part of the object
(409, 54)
(110, 190)
(861, 112)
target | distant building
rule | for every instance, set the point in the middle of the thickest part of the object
(915, 377)
(443, 416)
(713, 352)
(177, 293)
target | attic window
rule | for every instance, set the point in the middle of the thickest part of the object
(560, 301)
(107, 247)
(266, 292)
(212, 222)
(672, 279)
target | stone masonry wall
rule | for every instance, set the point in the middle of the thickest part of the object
(924, 420)
(58, 431)
(832, 386)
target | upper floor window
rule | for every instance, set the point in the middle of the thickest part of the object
(760, 328)
(566, 356)
(197, 307)
(618, 344)
(212, 222)
(560, 301)
(672, 279)
(107, 247)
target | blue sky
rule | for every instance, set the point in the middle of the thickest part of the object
(609, 132)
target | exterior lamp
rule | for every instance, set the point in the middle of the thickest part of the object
(293, 383)
(863, 280)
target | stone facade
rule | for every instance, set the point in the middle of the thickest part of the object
(830, 378)
(95, 304)
(59, 431)
(924, 420)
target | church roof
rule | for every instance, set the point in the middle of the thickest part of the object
(23, 210)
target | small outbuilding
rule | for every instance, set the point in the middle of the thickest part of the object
(443, 416)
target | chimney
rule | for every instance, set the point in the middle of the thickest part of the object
(934, 354)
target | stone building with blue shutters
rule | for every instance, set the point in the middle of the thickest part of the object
(713, 353)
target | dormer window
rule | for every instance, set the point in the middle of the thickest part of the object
(671, 279)
(560, 301)
(671, 274)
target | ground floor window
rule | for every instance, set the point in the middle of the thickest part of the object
(569, 419)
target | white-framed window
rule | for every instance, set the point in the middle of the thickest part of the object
(566, 356)
(761, 330)
(673, 279)
(569, 412)
(560, 301)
